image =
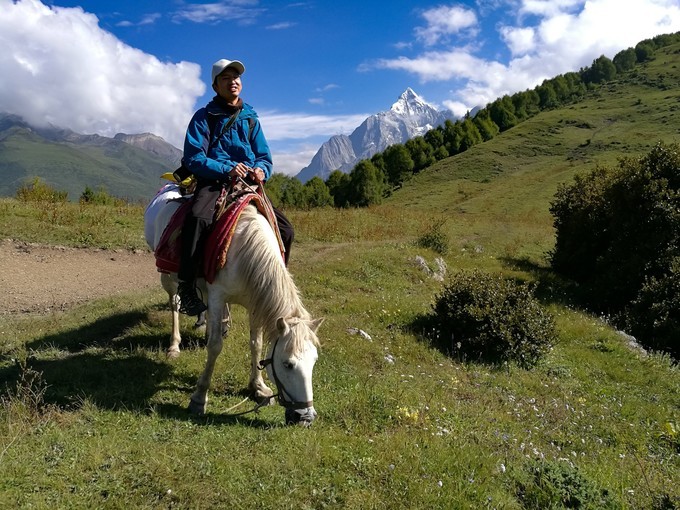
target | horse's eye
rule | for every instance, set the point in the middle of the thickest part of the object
(288, 364)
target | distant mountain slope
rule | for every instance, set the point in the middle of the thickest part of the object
(127, 166)
(410, 116)
(153, 144)
(523, 166)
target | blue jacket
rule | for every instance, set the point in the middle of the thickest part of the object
(240, 144)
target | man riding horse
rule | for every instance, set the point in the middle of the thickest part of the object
(224, 142)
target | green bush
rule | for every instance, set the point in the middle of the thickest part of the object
(39, 191)
(490, 318)
(434, 239)
(99, 197)
(655, 314)
(619, 228)
(561, 485)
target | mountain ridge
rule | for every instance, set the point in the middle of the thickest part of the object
(408, 117)
(127, 166)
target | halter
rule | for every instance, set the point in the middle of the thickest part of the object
(281, 395)
(288, 404)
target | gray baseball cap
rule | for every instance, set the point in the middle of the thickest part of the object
(222, 64)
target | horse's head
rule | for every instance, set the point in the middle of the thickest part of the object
(290, 365)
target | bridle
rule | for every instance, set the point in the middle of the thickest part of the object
(281, 395)
(288, 404)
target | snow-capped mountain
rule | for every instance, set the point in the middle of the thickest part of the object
(410, 116)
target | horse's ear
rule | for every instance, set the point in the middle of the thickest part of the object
(316, 323)
(281, 324)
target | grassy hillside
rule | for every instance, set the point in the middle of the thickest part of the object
(93, 415)
(514, 176)
(123, 170)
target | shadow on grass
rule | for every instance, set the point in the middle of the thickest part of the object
(109, 364)
(104, 332)
(113, 332)
(251, 419)
(105, 378)
(551, 288)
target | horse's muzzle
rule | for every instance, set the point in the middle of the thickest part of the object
(303, 417)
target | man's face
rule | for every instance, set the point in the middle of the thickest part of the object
(228, 84)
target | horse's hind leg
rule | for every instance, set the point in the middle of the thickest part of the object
(170, 286)
(199, 399)
(175, 338)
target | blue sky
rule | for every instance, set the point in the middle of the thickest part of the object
(314, 68)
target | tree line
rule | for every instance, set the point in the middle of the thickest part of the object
(372, 180)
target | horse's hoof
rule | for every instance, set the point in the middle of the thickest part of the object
(262, 394)
(196, 408)
(264, 400)
(172, 354)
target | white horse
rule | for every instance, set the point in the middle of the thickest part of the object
(255, 277)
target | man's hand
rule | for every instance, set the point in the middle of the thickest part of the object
(240, 170)
(258, 174)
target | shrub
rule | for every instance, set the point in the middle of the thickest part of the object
(434, 239)
(39, 191)
(561, 485)
(99, 197)
(493, 319)
(655, 313)
(619, 228)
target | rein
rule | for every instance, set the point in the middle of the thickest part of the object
(288, 404)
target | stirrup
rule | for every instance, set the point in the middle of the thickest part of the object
(189, 302)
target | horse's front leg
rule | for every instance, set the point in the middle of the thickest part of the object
(199, 399)
(257, 386)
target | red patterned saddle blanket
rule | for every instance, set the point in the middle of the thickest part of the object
(217, 244)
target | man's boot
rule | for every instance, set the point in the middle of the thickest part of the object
(189, 302)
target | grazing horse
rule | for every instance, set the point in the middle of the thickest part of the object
(255, 277)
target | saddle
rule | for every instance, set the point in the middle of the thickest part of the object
(228, 209)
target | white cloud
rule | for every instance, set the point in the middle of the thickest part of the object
(458, 108)
(291, 160)
(518, 39)
(436, 65)
(65, 70)
(298, 126)
(295, 138)
(243, 12)
(150, 19)
(328, 87)
(548, 7)
(565, 36)
(443, 21)
(281, 26)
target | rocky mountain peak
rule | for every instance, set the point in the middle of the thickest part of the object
(409, 102)
(153, 144)
(410, 116)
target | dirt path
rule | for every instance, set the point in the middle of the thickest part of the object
(38, 279)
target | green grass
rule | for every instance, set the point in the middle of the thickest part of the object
(93, 415)
(104, 424)
(72, 224)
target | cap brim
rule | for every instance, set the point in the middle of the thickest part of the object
(238, 66)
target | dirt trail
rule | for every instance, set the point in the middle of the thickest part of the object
(38, 279)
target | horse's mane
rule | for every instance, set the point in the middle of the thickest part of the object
(273, 292)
